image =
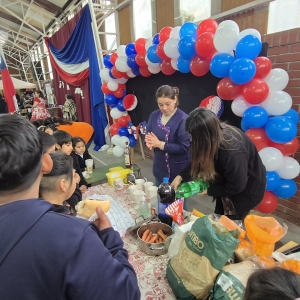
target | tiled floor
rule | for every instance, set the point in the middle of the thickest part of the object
(203, 203)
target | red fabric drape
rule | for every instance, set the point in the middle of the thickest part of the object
(58, 40)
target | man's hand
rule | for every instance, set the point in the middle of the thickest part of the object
(175, 183)
(102, 222)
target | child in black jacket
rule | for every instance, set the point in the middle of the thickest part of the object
(81, 152)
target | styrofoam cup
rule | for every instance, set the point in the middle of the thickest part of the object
(139, 183)
(138, 195)
(131, 189)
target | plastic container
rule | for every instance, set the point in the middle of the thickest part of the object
(115, 169)
(144, 208)
(192, 188)
(112, 176)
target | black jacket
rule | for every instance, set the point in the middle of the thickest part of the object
(3, 106)
(76, 166)
(242, 175)
(81, 160)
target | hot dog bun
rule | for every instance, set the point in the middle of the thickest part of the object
(86, 208)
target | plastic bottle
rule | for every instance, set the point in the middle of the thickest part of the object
(144, 208)
(166, 196)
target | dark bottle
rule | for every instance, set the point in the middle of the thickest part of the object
(166, 196)
(127, 156)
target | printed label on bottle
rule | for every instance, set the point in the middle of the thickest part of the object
(162, 209)
(127, 160)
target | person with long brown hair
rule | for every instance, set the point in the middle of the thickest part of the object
(39, 110)
(226, 158)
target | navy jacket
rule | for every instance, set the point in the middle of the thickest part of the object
(50, 256)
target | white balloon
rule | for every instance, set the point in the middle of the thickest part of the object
(149, 43)
(229, 23)
(115, 113)
(121, 64)
(121, 80)
(113, 86)
(277, 103)
(271, 157)
(250, 31)
(121, 50)
(277, 79)
(104, 74)
(239, 105)
(130, 74)
(174, 63)
(289, 169)
(115, 139)
(149, 63)
(226, 39)
(124, 113)
(175, 32)
(122, 142)
(154, 69)
(171, 48)
(118, 151)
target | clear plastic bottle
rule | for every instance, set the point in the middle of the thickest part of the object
(144, 208)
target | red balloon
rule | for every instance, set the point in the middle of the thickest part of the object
(228, 90)
(208, 25)
(205, 44)
(116, 73)
(255, 91)
(140, 45)
(145, 72)
(122, 85)
(122, 121)
(258, 137)
(160, 51)
(263, 67)
(113, 129)
(199, 65)
(128, 118)
(119, 93)
(113, 58)
(268, 204)
(287, 149)
(140, 59)
(105, 89)
(167, 68)
(164, 33)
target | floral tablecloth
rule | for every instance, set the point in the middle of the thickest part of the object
(150, 270)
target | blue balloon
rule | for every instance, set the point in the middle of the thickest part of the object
(152, 55)
(155, 39)
(120, 105)
(111, 100)
(244, 126)
(281, 130)
(292, 115)
(132, 140)
(136, 71)
(242, 70)
(220, 64)
(131, 62)
(186, 47)
(106, 61)
(130, 49)
(287, 188)
(255, 117)
(272, 180)
(188, 29)
(113, 105)
(249, 47)
(123, 131)
(111, 74)
(183, 65)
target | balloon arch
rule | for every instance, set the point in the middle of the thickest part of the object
(255, 88)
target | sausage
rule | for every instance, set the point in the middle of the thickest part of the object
(162, 235)
(153, 239)
(145, 234)
(149, 236)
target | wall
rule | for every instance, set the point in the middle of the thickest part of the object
(284, 52)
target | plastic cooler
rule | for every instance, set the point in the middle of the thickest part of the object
(119, 173)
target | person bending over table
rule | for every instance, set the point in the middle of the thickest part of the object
(46, 255)
(166, 135)
(227, 159)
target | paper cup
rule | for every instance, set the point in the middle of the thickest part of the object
(131, 189)
(89, 165)
(138, 195)
(139, 183)
(147, 185)
(152, 191)
(118, 184)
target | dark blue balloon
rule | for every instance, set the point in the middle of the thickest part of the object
(152, 55)
(255, 117)
(242, 70)
(188, 29)
(113, 105)
(249, 47)
(132, 140)
(111, 74)
(123, 131)
(155, 40)
(111, 100)
(131, 62)
(292, 115)
(120, 105)
(220, 64)
(186, 47)
(130, 49)
(106, 61)
(287, 188)
(183, 65)
(136, 71)
(244, 126)
(272, 180)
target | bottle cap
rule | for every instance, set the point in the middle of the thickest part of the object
(165, 179)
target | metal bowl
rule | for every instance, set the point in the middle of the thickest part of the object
(155, 249)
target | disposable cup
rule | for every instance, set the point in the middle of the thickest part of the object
(139, 183)
(89, 165)
(146, 186)
(152, 191)
(131, 189)
(138, 195)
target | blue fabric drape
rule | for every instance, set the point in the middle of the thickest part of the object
(79, 48)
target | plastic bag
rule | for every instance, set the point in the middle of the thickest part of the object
(232, 225)
(292, 265)
(243, 251)
(262, 261)
(264, 232)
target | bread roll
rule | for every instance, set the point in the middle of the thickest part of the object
(86, 208)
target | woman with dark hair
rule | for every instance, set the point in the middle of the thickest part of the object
(275, 284)
(227, 159)
(39, 110)
(167, 136)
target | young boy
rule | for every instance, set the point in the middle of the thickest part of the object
(48, 142)
(45, 255)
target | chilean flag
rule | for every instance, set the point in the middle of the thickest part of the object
(8, 86)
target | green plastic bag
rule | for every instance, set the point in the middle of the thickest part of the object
(205, 250)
